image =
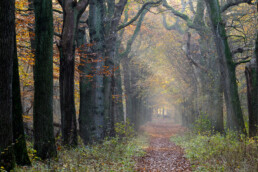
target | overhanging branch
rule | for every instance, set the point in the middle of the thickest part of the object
(138, 14)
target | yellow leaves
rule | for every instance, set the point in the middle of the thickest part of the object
(21, 4)
(27, 117)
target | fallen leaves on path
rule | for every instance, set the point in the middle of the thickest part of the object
(162, 154)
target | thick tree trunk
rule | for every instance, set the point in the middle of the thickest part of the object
(235, 119)
(66, 80)
(217, 104)
(85, 86)
(44, 141)
(7, 28)
(211, 93)
(251, 73)
(114, 13)
(95, 120)
(72, 12)
(20, 148)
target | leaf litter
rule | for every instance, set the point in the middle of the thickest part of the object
(162, 155)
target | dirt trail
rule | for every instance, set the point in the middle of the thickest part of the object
(162, 154)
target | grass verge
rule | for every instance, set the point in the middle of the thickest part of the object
(112, 155)
(219, 153)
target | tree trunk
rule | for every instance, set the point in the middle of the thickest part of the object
(95, 114)
(251, 73)
(235, 119)
(7, 28)
(20, 148)
(44, 141)
(67, 60)
(72, 12)
(217, 102)
(114, 13)
(85, 86)
(127, 87)
(118, 111)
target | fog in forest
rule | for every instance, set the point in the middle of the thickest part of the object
(128, 85)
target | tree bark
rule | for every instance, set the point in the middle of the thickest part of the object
(127, 85)
(72, 12)
(44, 141)
(7, 28)
(95, 114)
(85, 86)
(20, 148)
(235, 119)
(251, 73)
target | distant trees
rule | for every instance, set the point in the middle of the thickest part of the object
(7, 53)
(44, 141)
(207, 97)
(211, 83)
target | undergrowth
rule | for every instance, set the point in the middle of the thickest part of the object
(114, 154)
(216, 152)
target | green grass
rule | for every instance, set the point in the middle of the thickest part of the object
(219, 153)
(112, 155)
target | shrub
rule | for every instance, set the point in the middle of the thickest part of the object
(202, 125)
(124, 130)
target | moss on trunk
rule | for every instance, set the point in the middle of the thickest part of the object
(44, 141)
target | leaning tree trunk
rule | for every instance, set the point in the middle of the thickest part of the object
(44, 140)
(20, 148)
(7, 28)
(251, 73)
(235, 119)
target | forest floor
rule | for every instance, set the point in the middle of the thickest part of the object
(162, 155)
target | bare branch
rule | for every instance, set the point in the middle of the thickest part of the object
(240, 50)
(138, 14)
(175, 12)
(241, 62)
(61, 2)
(234, 3)
(183, 16)
(174, 26)
(188, 54)
(82, 5)
(57, 11)
(57, 34)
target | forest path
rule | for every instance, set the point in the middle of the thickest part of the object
(162, 154)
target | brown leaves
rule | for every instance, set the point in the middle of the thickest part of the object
(163, 155)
